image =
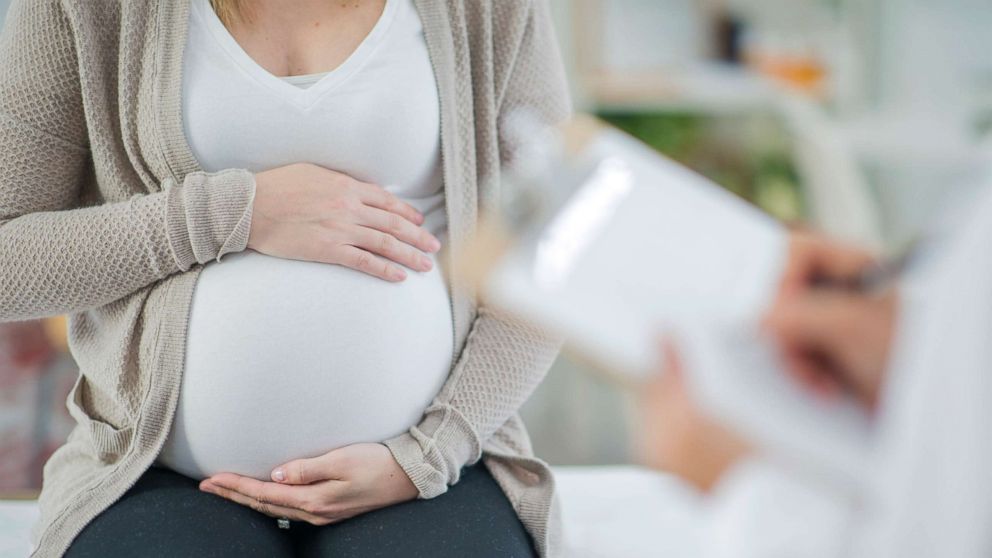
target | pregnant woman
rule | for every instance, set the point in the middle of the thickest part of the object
(248, 208)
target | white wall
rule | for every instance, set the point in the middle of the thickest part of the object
(934, 71)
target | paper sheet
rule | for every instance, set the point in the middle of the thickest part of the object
(643, 244)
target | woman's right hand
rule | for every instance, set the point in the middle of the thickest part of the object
(310, 213)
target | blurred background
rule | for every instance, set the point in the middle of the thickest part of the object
(860, 117)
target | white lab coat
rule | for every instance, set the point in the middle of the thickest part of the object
(929, 490)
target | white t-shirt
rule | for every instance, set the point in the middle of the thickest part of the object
(321, 356)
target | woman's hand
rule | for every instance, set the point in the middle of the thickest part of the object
(678, 437)
(307, 212)
(341, 484)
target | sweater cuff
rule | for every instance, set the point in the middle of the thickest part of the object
(433, 452)
(209, 216)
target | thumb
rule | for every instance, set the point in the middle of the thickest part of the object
(306, 471)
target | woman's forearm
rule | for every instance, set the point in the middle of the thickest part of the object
(57, 262)
(56, 257)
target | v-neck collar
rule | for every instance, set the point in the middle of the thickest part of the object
(303, 98)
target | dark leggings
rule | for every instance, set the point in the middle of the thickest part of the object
(165, 515)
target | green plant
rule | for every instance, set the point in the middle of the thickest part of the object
(747, 154)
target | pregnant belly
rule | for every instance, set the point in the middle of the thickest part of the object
(288, 359)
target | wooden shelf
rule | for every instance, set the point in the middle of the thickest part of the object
(711, 88)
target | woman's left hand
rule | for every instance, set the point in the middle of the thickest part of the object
(346, 482)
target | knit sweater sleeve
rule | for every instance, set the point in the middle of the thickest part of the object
(56, 256)
(504, 359)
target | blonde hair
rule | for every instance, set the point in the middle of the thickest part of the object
(228, 10)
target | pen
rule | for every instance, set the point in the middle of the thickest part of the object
(876, 278)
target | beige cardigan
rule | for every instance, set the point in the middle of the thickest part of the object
(105, 215)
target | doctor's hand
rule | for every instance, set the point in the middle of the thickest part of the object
(310, 213)
(834, 340)
(678, 437)
(328, 489)
(813, 258)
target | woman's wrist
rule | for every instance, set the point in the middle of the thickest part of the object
(259, 223)
(408, 453)
(433, 452)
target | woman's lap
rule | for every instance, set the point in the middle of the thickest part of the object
(166, 515)
(473, 518)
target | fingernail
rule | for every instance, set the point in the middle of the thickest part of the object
(206, 487)
(279, 475)
(435, 245)
(398, 275)
(426, 264)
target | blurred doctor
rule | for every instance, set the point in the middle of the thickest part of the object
(918, 357)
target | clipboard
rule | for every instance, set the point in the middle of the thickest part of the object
(611, 245)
